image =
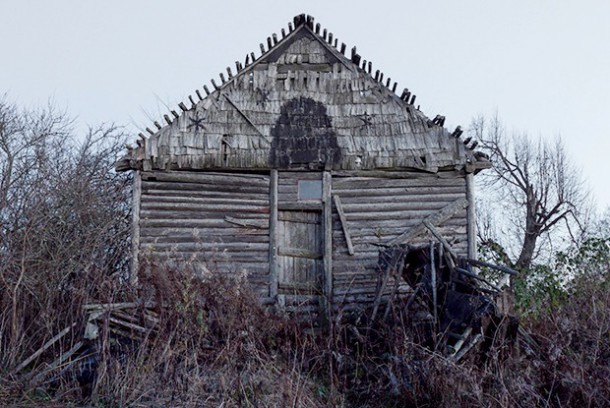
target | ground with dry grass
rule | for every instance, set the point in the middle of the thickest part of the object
(215, 346)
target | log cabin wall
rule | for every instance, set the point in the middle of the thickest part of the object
(376, 211)
(218, 223)
(296, 170)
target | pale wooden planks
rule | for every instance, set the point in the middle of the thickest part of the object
(344, 226)
(218, 222)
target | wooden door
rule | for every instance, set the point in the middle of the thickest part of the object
(299, 252)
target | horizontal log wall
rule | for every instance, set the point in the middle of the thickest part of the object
(216, 222)
(378, 210)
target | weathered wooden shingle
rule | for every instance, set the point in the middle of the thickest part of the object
(367, 119)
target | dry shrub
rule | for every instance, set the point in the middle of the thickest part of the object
(216, 346)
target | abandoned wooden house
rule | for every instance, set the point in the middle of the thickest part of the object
(294, 169)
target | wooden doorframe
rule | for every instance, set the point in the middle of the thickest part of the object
(273, 220)
(327, 227)
(327, 245)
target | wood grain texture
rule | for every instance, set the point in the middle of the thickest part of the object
(233, 126)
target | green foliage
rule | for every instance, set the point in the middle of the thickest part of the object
(591, 259)
(545, 287)
(542, 289)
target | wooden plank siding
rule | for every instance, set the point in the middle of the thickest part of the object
(378, 210)
(195, 218)
(239, 124)
(296, 171)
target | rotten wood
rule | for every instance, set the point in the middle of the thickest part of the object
(343, 219)
(44, 347)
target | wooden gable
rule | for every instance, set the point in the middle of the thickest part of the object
(302, 105)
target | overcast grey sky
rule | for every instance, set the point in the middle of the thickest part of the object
(543, 65)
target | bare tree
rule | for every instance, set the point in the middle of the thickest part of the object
(540, 190)
(64, 222)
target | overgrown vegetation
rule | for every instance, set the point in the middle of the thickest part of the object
(64, 242)
(215, 346)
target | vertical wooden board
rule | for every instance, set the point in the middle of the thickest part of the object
(273, 233)
(471, 217)
(328, 240)
(135, 227)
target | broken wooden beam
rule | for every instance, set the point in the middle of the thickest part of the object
(435, 219)
(440, 238)
(479, 278)
(348, 238)
(500, 268)
(45, 346)
(117, 306)
(57, 363)
(247, 223)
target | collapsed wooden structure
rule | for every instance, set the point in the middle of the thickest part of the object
(294, 170)
(458, 308)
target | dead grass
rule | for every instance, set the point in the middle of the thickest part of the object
(217, 347)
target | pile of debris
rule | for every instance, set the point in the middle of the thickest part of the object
(122, 326)
(457, 307)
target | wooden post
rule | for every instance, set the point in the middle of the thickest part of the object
(273, 216)
(471, 218)
(433, 277)
(328, 243)
(135, 227)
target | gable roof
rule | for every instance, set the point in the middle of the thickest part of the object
(303, 49)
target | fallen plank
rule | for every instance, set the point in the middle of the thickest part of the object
(477, 277)
(435, 219)
(500, 268)
(440, 238)
(348, 238)
(58, 362)
(43, 348)
(458, 356)
(115, 306)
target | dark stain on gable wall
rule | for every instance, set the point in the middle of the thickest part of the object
(303, 136)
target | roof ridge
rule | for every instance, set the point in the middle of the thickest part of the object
(326, 37)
